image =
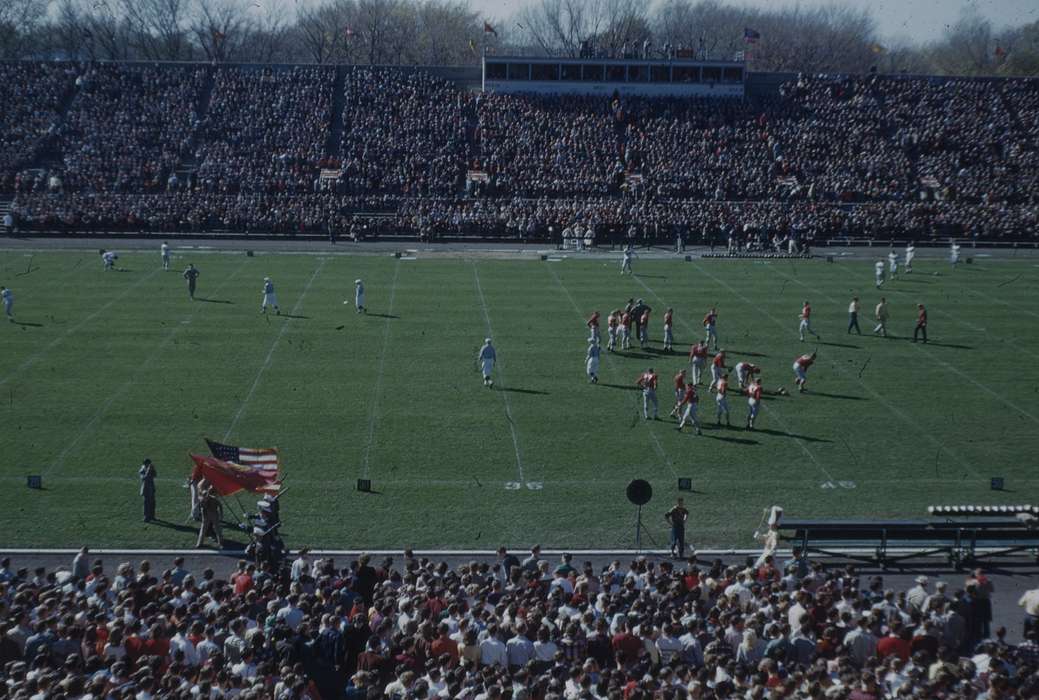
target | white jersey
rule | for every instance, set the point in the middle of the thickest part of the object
(892, 260)
(879, 267)
(165, 250)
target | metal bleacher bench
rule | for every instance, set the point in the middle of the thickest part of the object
(961, 540)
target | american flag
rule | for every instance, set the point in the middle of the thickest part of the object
(262, 459)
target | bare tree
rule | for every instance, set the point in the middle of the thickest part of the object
(220, 28)
(158, 28)
(19, 22)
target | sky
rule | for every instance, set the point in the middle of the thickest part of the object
(901, 21)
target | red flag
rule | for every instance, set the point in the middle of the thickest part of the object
(488, 29)
(228, 478)
(1001, 53)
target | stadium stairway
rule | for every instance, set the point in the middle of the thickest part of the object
(334, 141)
(187, 165)
(48, 154)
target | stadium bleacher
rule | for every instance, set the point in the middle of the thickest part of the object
(500, 628)
(169, 148)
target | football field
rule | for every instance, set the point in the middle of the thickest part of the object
(103, 369)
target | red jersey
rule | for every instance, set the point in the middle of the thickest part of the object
(690, 395)
(921, 318)
(698, 351)
(648, 380)
(806, 312)
(723, 386)
(754, 391)
(626, 319)
(708, 320)
(719, 360)
(645, 318)
(611, 321)
(667, 318)
(805, 361)
(680, 381)
(593, 322)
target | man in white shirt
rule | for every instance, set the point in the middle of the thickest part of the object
(291, 615)
(492, 649)
(878, 271)
(853, 316)
(861, 643)
(880, 314)
(180, 642)
(910, 254)
(301, 565)
(164, 251)
(519, 650)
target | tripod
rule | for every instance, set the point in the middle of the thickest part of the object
(639, 528)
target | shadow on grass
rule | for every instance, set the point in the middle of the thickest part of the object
(214, 301)
(513, 390)
(27, 323)
(300, 316)
(846, 397)
(651, 277)
(795, 436)
(840, 345)
(934, 343)
(26, 272)
(734, 440)
(382, 315)
(634, 355)
(622, 387)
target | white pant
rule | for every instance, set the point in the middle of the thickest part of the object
(649, 398)
(7, 307)
(800, 372)
(269, 300)
(741, 375)
(593, 334)
(668, 337)
(723, 405)
(716, 375)
(711, 334)
(697, 370)
(612, 333)
(359, 300)
(753, 405)
(486, 366)
(689, 415)
(592, 366)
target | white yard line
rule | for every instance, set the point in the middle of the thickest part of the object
(966, 324)
(373, 410)
(88, 427)
(500, 368)
(923, 348)
(270, 353)
(775, 414)
(657, 447)
(887, 404)
(64, 336)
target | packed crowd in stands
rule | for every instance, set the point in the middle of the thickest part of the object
(827, 158)
(265, 131)
(318, 629)
(30, 98)
(403, 133)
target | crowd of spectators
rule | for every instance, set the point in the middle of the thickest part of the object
(827, 158)
(30, 99)
(320, 630)
(265, 131)
(125, 131)
(403, 133)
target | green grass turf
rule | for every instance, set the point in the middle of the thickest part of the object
(123, 366)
